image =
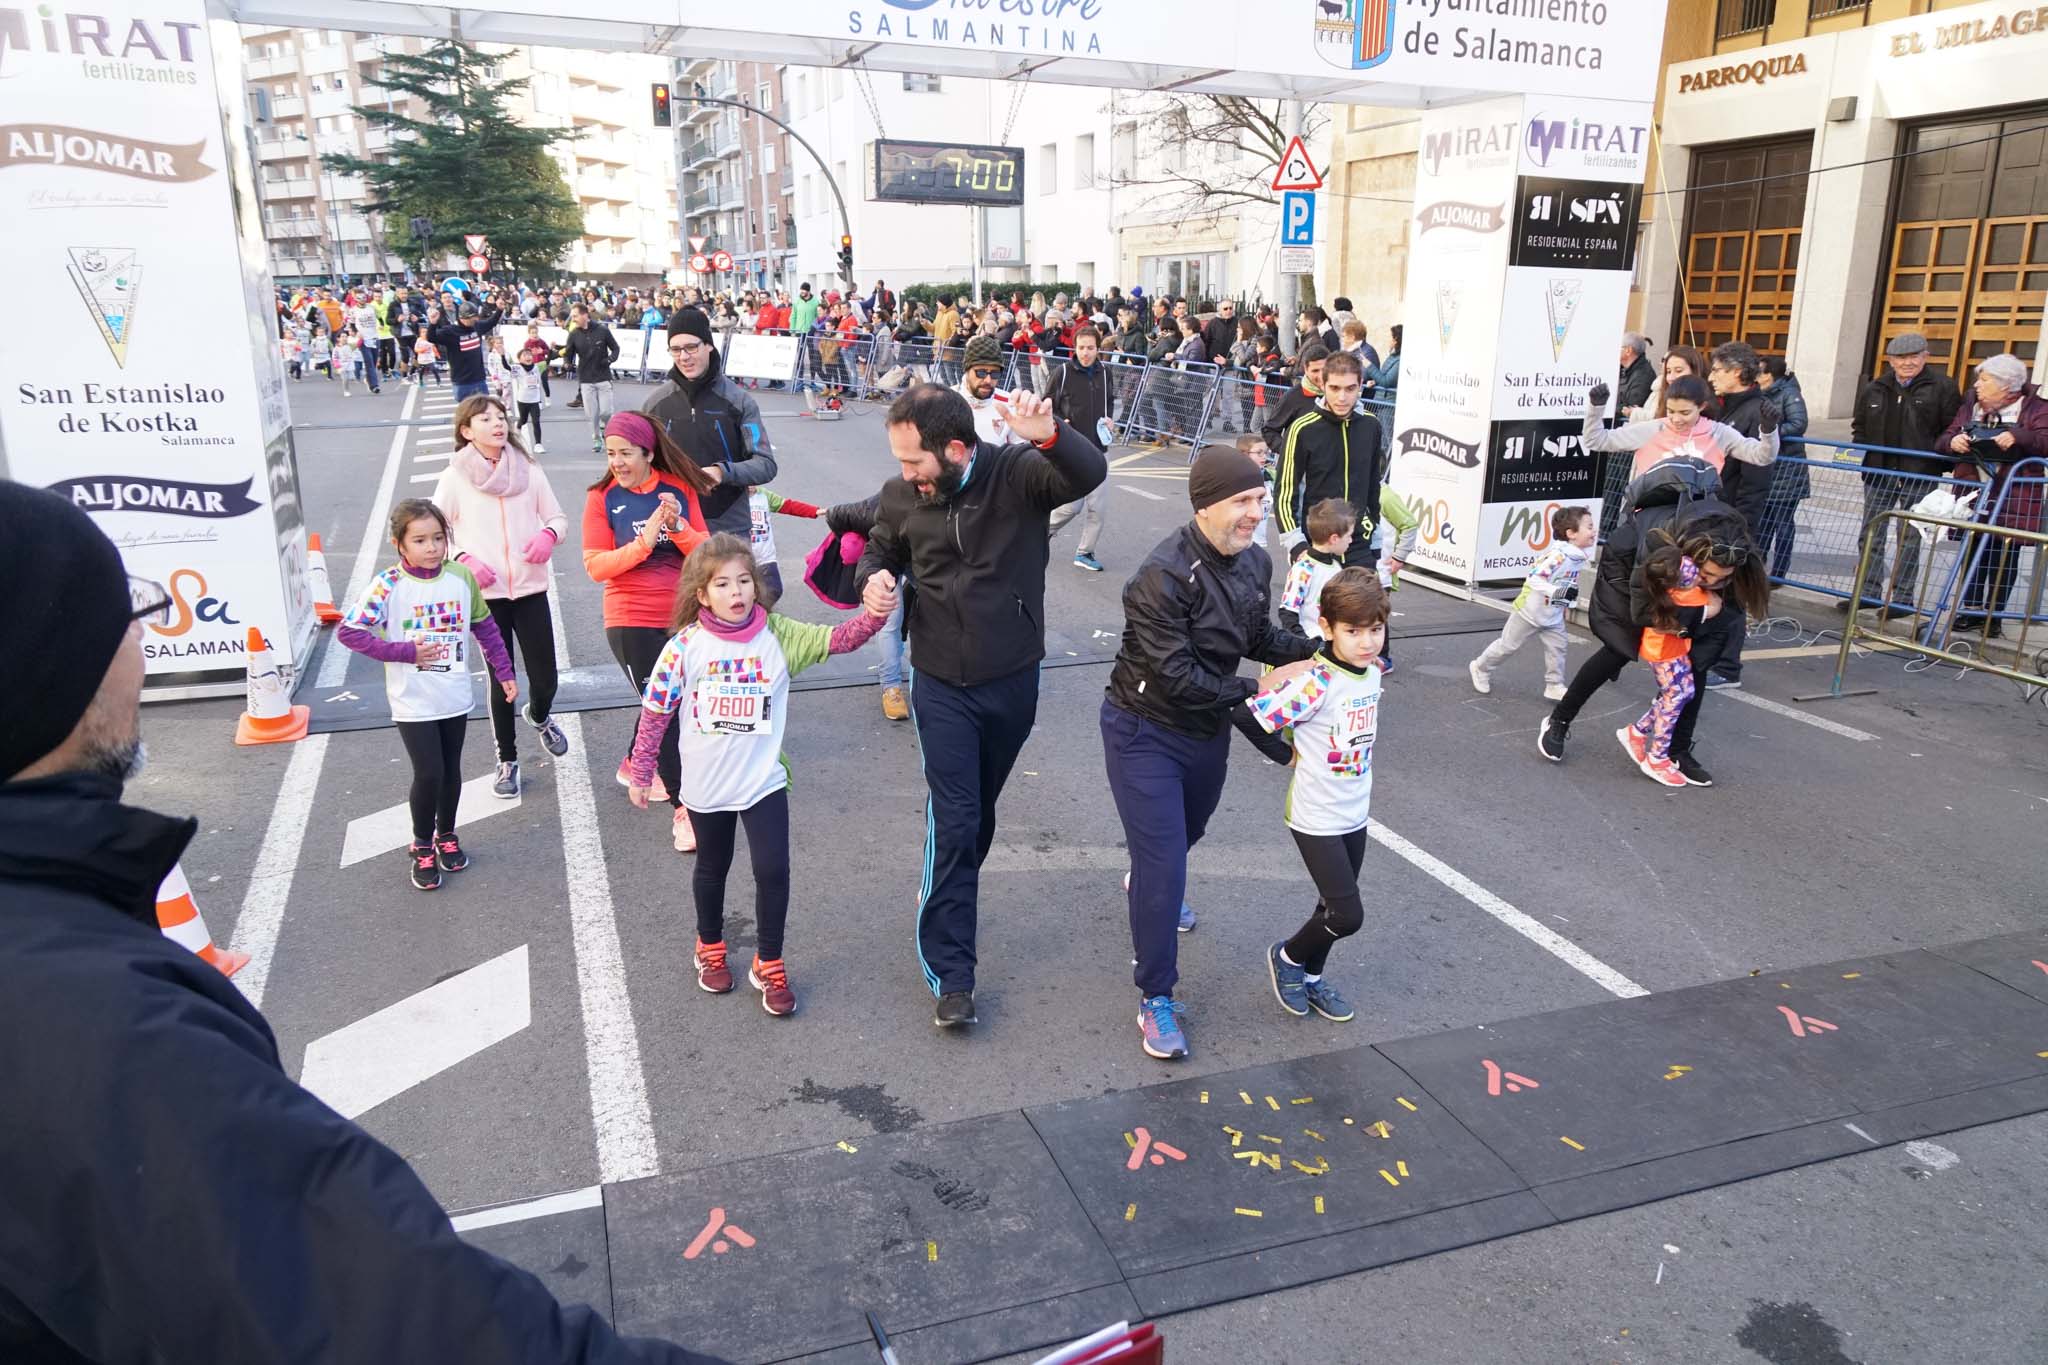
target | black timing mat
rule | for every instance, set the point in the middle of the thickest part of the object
(1011, 1232)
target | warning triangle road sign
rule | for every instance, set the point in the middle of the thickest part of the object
(697, 243)
(476, 242)
(1296, 171)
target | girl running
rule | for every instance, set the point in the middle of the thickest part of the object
(529, 390)
(639, 520)
(1678, 603)
(497, 371)
(504, 524)
(1330, 713)
(416, 619)
(727, 668)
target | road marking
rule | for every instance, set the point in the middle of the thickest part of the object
(426, 478)
(359, 1066)
(1141, 492)
(434, 457)
(270, 884)
(426, 441)
(390, 829)
(1550, 941)
(589, 1197)
(1803, 717)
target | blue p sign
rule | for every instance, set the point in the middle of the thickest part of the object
(1297, 218)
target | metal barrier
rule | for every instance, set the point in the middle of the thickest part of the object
(1989, 578)
(1172, 403)
(2010, 540)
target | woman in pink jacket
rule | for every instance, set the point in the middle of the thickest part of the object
(504, 524)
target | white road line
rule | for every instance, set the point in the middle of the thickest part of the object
(381, 1056)
(1143, 493)
(270, 884)
(1833, 727)
(386, 831)
(1558, 946)
(426, 478)
(426, 441)
(433, 456)
(589, 1197)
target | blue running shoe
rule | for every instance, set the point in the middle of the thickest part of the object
(1159, 1028)
(1088, 562)
(1290, 983)
(1323, 998)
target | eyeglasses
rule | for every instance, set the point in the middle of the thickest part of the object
(984, 371)
(148, 601)
(686, 348)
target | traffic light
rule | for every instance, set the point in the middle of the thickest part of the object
(846, 254)
(664, 117)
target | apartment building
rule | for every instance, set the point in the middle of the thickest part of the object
(735, 170)
(303, 85)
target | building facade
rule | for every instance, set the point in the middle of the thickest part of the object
(303, 86)
(735, 172)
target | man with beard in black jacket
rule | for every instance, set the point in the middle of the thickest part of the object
(171, 1195)
(1200, 604)
(1739, 403)
(716, 422)
(967, 521)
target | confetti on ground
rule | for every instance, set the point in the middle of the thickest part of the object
(848, 1147)
(1268, 1137)
(1676, 1072)
(1850, 976)
(1402, 1167)
(1305, 1099)
(1402, 1100)
(1246, 1098)
(1249, 1213)
(1272, 1103)
(1381, 1130)
(1130, 1141)
(1310, 1132)
(2041, 1054)
(1270, 1160)
(1573, 1145)
(1319, 1203)
(1205, 1097)
(1130, 1212)
(931, 1251)
(1350, 1121)
(1235, 1136)
(1322, 1166)
(1388, 1176)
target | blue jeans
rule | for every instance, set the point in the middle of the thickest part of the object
(891, 637)
(463, 391)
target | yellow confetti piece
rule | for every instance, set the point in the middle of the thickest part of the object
(1319, 1203)
(1268, 1137)
(1310, 1132)
(1402, 1100)
(1130, 1212)
(1850, 976)
(2041, 1054)
(1130, 1141)
(1388, 1176)
(848, 1147)
(1573, 1145)
(1272, 1103)
(1784, 985)
(1402, 1167)
(1381, 1130)
(1270, 1160)
(931, 1251)
(1246, 1098)
(1205, 1097)
(1350, 1121)
(1322, 1166)
(1249, 1213)
(1305, 1099)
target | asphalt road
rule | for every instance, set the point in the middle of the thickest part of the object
(1908, 818)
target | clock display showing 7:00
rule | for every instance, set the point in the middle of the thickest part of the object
(948, 173)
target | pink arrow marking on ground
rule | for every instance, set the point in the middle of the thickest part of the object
(2039, 963)
(1801, 1022)
(1516, 1082)
(712, 1227)
(1148, 1146)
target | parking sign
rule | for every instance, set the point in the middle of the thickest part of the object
(1297, 218)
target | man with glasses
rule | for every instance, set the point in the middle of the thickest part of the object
(165, 1140)
(981, 369)
(716, 422)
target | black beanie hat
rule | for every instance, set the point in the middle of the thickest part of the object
(66, 612)
(1221, 472)
(690, 321)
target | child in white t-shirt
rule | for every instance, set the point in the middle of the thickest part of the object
(416, 619)
(726, 672)
(1330, 714)
(1551, 587)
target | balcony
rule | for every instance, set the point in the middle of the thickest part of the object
(591, 185)
(287, 106)
(264, 68)
(1739, 17)
(699, 200)
(1828, 9)
(730, 195)
(300, 187)
(713, 146)
(282, 148)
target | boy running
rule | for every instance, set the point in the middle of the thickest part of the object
(1551, 587)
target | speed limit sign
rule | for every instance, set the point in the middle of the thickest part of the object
(479, 264)
(700, 263)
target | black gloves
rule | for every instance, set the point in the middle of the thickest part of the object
(1599, 395)
(1767, 418)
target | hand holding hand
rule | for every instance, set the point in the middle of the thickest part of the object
(1029, 416)
(1598, 395)
(540, 548)
(879, 596)
(484, 574)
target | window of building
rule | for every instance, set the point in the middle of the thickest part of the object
(1049, 168)
(764, 97)
(1124, 152)
(1189, 275)
(836, 83)
(1745, 16)
(767, 158)
(1084, 162)
(920, 83)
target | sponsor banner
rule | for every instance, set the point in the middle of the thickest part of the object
(1511, 534)
(1557, 340)
(1582, 139)
(1446, 538)
(1586, 224)
(1529, 460)
(130, 211)
(761, 357)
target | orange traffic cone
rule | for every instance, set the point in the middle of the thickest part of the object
(178, 916)
(269, 716)
(317, 582)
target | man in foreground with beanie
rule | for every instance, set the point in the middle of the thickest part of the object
(172, 1195)
(1200, 604)
(716, 422)
(967, 522)
(981, 369)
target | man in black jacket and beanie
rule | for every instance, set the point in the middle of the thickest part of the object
(716, 422)
(968, 522)
(1200, 604)
(1907, 407)
(171, 1195)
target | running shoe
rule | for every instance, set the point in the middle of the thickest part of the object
(448, 853)
(425, 870)
(1691, 769)
(1635, 742)
(1480, 682)
(1721, 682)
(772, 980)
(539, 449)
(895, 705)
(712, 973)
(955, 1009)
(685, 837)
(1159, 1028)
(551, 737)
(507, 785)
(1290, 986)
(1088, 562)
(1554, 692)
(1324, 1000)
(1550, 739)
(1662, 770)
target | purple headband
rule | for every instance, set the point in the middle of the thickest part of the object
(633, 427)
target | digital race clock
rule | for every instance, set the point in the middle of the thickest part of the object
(948, 173)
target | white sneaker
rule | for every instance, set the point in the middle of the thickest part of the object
(1480, 681)
(539, 449)
(1554, 692)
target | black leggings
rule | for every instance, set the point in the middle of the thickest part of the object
(1602, 668)
(529, 414)
(767, 822)
(528, 629)
(435, 748)
(636, 648)
(1333, 862)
